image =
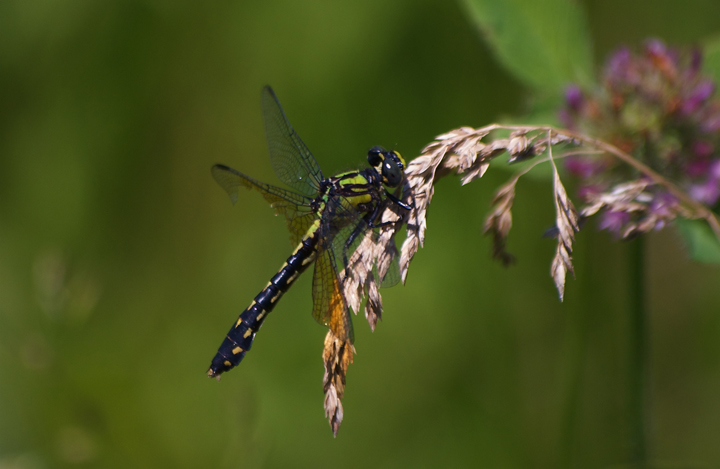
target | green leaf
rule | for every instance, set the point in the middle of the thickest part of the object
(545, 44)
(711, 58)
(700, 240)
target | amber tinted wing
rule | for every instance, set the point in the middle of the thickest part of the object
(295, 207)
(329, 305)
(291, 160)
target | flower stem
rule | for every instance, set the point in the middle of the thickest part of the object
(637, 363)
(579, 326)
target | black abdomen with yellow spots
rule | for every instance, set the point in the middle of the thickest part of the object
(241, 335)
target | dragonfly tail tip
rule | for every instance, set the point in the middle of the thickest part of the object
(211, 374)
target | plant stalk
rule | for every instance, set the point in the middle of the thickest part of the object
(637, 363)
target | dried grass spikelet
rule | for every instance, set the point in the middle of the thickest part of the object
(499, 221)
(464, 152)
(369, 264)
(623, 198)
(460, 150)
(467, 152)
(644, 212)
(337, 356)
(566, 222)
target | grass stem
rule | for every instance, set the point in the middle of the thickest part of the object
(637, 363)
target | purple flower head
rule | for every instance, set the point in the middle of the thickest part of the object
(658, 106)
(706, 167)
(711, 124)
(697, 168)
(656, 48)
(697, 98)
(662, 58)
(582, 167)
(613, 221)
(714, 170)
(707, 192)
(702, 149)
(588, 190)
(574, 97)
(618, 65)
(662, 205)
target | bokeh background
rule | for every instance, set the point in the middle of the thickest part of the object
(122, 263)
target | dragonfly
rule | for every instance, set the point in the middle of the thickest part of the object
(326, 218)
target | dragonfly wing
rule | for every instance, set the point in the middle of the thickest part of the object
(290, 158)
(329, 305)
(295, 207)
(392, 276)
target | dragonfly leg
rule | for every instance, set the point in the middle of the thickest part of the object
(359, 228)
(369, 222)
(399, 202)
(380, 225)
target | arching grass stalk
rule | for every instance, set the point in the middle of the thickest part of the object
(467, 152)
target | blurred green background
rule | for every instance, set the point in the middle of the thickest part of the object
(122, 263)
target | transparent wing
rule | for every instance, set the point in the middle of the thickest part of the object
(392, 276)
(329, 305)
(295, 207)
(291, 160)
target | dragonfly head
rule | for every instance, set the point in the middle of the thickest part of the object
(389, 164)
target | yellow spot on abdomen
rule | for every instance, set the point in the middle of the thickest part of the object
(293, 277)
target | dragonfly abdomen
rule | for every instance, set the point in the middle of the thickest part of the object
(240, 337)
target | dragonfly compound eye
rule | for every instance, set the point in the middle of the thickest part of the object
(391, 171)
(375, 156)
(399, 158)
